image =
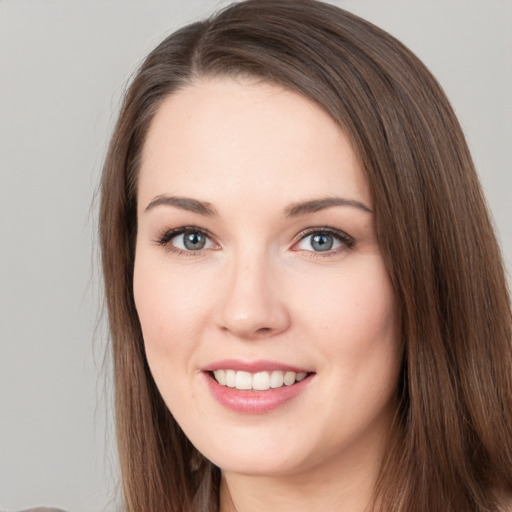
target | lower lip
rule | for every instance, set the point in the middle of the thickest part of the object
(255, 402)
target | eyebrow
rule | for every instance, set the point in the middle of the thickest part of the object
(316, 205)
(185, 203)
(293, 210)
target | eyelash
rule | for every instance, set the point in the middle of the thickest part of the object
(346, 241)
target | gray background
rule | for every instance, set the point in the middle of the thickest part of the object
(63, 66)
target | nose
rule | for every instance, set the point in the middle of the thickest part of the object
(253, 305)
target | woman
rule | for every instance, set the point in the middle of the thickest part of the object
(306, 299)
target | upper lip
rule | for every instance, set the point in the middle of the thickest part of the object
(252, 366)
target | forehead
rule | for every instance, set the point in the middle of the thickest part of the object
(250, 137)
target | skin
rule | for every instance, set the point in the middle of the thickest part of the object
(259, 291)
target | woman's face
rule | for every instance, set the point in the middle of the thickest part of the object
(268, 316)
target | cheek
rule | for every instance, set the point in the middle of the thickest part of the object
(168, 304)
(353, 314)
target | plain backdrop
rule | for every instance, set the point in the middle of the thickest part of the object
(63, 67)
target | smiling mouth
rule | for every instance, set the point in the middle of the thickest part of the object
(260, 381)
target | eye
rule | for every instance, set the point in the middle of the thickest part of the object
(185, 240)
(327, 241)
(190, 241)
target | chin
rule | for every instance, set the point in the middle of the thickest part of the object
(257, 466)
(261, 456)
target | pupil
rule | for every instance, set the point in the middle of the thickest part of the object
(194, 241)
(321, 242)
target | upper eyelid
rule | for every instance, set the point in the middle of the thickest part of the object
(324, 229)
(320, 229)
(171, 233)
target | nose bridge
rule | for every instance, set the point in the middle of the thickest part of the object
(252, 306)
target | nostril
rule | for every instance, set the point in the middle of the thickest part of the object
(264, 330)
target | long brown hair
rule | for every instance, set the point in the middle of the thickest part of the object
(451, 448)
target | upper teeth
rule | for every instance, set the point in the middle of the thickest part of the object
(260, 381)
